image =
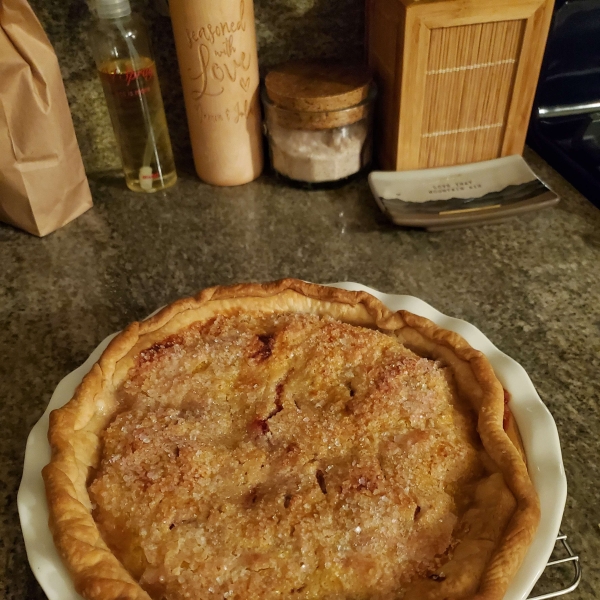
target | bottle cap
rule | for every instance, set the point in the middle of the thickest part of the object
(318, 85)
(318, 94)
(113, 9)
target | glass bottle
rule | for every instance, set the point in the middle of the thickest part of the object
(128, 74)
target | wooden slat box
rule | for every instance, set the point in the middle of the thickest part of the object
(456, 77)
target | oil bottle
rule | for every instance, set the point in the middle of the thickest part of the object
(127, 71)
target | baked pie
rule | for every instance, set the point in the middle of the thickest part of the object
(288, 440)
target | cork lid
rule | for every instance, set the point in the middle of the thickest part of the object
(316, 86)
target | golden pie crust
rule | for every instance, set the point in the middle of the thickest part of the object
(386, 467)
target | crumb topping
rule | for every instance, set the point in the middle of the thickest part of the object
(283, 456)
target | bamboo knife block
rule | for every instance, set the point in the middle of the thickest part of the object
(456, 78)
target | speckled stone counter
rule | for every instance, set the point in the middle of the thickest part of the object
(531, 285)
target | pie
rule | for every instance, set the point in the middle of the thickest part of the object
(289, 441)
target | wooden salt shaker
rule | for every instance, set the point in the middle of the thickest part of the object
(218, 63)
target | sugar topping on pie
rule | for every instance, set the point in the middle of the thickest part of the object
(284, 456)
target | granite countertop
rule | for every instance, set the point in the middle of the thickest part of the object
(532, 285)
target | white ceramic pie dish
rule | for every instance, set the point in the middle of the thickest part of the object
(536, 425)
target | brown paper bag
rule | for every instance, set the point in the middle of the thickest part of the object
(42, 180)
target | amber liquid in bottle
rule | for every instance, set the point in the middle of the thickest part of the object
(138, 118)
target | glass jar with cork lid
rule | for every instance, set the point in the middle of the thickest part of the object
(318, 120)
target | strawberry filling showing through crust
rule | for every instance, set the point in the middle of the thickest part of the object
(284, 456)
(507, 413)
